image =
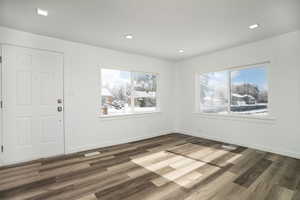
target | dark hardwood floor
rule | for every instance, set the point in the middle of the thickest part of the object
(173, 166)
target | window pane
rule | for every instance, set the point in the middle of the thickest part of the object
(214, 92)
(115, 92)
(249, 91)
(145, 88)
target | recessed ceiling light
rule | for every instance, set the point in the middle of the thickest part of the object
(181, 51)
(253, 26)
(129, 36)
(42, 12)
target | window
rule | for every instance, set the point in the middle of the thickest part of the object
(125, 92)
(145, 87)
(240, 91)
(115, 92)
(214, 92)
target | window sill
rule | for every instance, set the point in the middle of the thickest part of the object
(128, 115)
(264, 119)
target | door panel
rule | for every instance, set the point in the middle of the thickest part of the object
(24, 85)
(24, 130)
(33, 81)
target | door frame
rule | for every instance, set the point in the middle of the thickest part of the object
(2, 84)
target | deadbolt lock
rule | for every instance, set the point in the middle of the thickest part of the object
(59, 108)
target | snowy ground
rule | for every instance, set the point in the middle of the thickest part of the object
(144, 109)
(253, 112)
(127, 110)
(258, 112)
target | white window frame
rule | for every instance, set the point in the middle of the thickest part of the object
(268, 116)
(133, 112)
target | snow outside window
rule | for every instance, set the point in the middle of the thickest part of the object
(126, 92)
(239, 91)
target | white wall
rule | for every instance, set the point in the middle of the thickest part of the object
(281, 135)
(83, 128)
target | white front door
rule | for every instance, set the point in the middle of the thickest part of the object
(32, 92)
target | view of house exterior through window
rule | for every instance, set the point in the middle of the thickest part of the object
(125, 92)
(249, 91)
(145, 87)
(242, 91)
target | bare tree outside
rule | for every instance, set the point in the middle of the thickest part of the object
(145, 88)
(214, 92)
(117, 91)
(249, 91)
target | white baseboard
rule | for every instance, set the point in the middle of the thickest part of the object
(253, 146)
(121, 141)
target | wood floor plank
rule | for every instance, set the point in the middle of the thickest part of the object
(264, 184)
(296, 195)
(88, 197)
(280, 193)
(291, 178)
(253, 173)
(211, 187)
(169, 167)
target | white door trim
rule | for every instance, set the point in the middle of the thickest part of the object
(1, 112)
(33, 48)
